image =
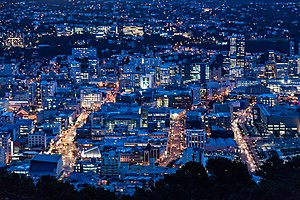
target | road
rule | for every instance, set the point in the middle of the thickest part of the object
(65, 144)
(245, 152)
(175, 141)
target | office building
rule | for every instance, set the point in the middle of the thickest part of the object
(237, 51)
(48, 89)
(110, 163)
(90, 98)
(270, 70)
(6, 147)
(195, 138)
(279, 120)
(267, 99)
(37, 140)
(46, 165)
(147, 81)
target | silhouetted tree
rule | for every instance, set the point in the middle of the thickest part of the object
(49, 187)
(223, 170)
(90, 192)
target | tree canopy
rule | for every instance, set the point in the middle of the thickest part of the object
(219, 179)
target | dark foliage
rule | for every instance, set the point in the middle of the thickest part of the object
(225, 179)
(221, 179)
(14, 186)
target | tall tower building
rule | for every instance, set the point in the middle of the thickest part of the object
(237, 51)
(197, 73)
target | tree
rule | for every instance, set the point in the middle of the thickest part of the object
(269, 168)
(229, 172)
(49, 187)
(13, 186)
(189, 182)
(91, 192)
(221, 179)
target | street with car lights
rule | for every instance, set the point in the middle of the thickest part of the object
(175, 140)
(245, 151)
(65, 144)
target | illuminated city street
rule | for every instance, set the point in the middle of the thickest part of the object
(175, 140)
(65, 144)
(245, 152)
(158, 99)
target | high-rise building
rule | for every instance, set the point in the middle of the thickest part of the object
(279, 120)
(298, 65)
(285, 69)
(194, 73)
(237, 51)
(93, 66)
(169, 74)
(26, 126)
(197, 73)
(159, 118)
(194, 120)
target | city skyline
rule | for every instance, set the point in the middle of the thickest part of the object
(149, 99)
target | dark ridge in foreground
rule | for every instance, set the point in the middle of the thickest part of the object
(226, 180)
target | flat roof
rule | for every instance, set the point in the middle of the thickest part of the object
(47, 158)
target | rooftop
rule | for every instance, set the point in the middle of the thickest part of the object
(47, 158)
